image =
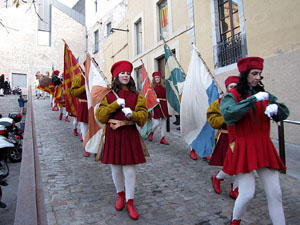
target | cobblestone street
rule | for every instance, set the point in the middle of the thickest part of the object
(171, 188)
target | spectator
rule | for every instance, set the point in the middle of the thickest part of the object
(21, 102)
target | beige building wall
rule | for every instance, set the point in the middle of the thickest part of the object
(268, 35)
(20, 51)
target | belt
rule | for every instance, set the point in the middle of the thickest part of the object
(82, 100)
(114, 124)
(162, 99)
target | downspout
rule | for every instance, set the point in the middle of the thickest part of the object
(190, 4)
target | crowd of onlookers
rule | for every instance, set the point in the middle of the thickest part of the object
(5, 88)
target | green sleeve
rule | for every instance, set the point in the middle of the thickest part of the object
(283, 111)
(76, 88)
(233, 111)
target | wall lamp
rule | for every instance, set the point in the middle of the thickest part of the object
(113, 29)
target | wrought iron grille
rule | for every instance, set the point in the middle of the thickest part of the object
(229, 50)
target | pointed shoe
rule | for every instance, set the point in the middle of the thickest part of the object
(131, 210)
(163, 141)
(120, 202)
(67, 119)
(235, 222)
(216, 183)
(75, 132)
(60, 116)
(193, 155)
(150, 137)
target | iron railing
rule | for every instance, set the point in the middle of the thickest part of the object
(281, 138)
(229, 50)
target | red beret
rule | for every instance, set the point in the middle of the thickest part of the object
(121, 66)
(56, 72)
(249, 63)
(231, 79)
(156, 74)
(2, 75)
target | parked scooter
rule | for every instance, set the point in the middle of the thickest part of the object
(5, 147)
(14, 135)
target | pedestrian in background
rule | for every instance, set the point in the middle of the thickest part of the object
(21, 102)
(160, 111)
(247, 110)
(121, 110)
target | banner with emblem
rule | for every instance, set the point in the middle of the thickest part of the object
(71, 69)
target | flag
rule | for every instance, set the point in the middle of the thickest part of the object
(96, 90)
(174, 82)
(151, 102)
(71, 69)
(198, 93)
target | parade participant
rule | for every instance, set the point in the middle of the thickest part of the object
(6, 86)
(120, 110)
(247, 110)
(78, 91)
(160, 112)
(55, 81)
(216, 121)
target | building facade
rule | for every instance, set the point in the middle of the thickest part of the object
(29, 44)
(223, 32)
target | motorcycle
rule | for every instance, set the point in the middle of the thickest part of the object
(13, 135)
(5, 147)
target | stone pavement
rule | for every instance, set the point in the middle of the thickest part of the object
(171, 188)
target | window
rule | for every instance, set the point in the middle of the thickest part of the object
(163, 19)
(96, 5)
(138, 73)
(138, 30)
(96, 41)
(108, 29)
(229, 45)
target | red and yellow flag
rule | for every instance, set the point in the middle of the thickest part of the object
(147, 90)
(71, 69)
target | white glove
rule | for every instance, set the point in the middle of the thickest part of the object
(158, 100)
(127, 111)
(121, 102)
(271, 110)
(261, 96)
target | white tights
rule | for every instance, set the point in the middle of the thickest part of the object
(83, 129)
(163, 122)
(75, 123)
(270, 181)
(124, 177)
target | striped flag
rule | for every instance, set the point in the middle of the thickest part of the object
(174, 82)
(198, 93)
(71, 69)
(151, 101)
(96, 89)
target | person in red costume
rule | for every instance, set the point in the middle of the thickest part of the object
(160, 112)
(78, 91)
(247, 110)
(121, 110)
(216, 121)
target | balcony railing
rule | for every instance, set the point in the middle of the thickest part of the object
(229, 50)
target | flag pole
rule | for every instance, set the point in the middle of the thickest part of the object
(212, 76)
(174, 56)
(99, 70)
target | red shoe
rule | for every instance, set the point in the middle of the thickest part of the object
(60, 116)
(75, 132)
(163, 141)
(120, 202)
(132, 212)
(81, 139)
(234, 193)
(54, 109)
(67, 119)
(235, 222)
(150, 137)
(86, 154)
(216, 183)
(193, 155)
